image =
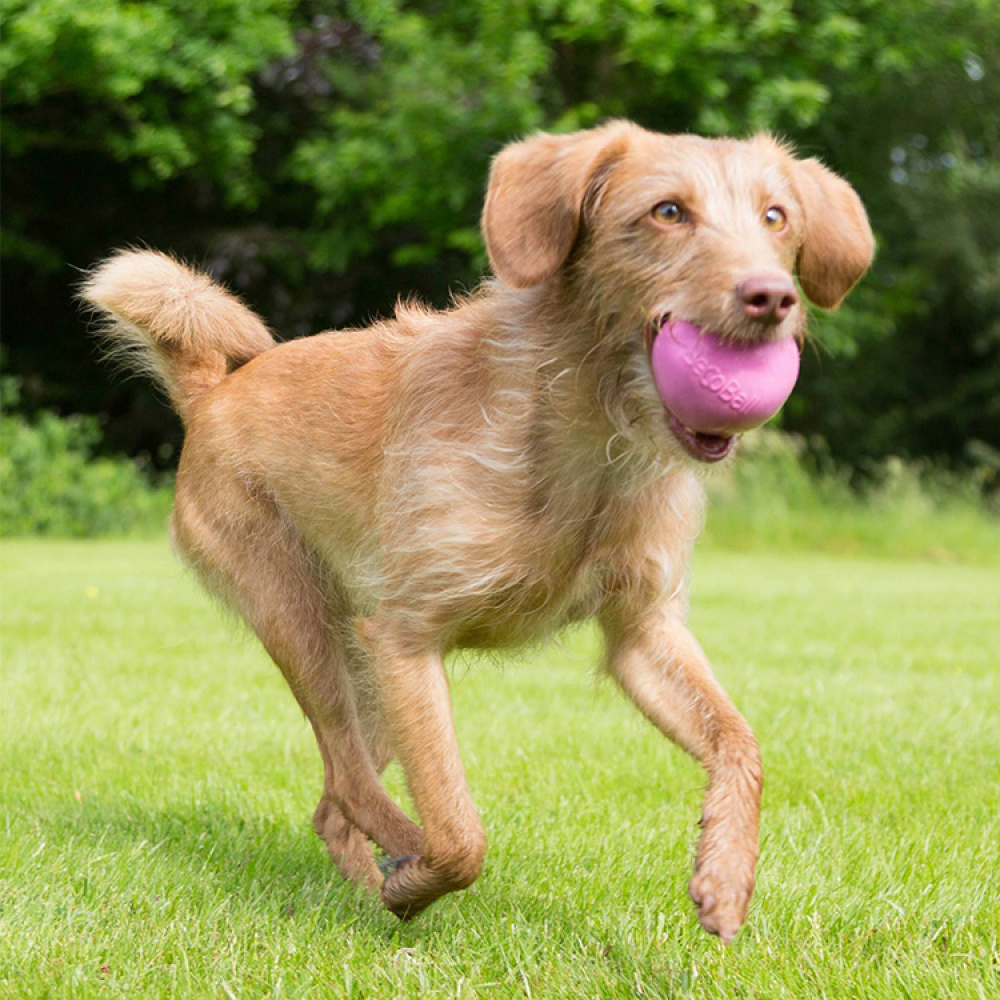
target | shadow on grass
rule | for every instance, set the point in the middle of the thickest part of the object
(211, 864)
(210, 850)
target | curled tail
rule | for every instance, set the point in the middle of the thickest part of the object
(173, 323)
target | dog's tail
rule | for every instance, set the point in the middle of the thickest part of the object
(172, 323)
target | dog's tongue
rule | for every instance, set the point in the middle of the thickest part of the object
(715, 387)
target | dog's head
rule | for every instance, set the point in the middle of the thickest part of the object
(639, 228)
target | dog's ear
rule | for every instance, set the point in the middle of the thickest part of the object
(837, 246)
(536, 197)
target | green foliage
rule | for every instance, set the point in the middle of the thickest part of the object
(327, 156)
(408, 144)
(51, 483)
(377, 161)
(164, 86)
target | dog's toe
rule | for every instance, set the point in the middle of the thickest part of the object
(721, 905)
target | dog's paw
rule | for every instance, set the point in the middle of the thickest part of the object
(404, 890)
(348, 846)
(721, 898)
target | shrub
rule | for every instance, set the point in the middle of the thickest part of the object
(52, 484)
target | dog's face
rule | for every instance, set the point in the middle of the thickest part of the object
(647, 228)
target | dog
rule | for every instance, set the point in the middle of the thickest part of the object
(369, 500)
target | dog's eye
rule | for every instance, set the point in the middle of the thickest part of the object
(668, 212)
(775, 219)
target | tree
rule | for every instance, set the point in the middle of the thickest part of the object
(326, 157)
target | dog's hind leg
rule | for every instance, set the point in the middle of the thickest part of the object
(348, 846)
(256, 561)
(413, 691)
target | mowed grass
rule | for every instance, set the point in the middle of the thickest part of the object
(158, 782)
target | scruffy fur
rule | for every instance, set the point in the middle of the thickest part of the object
(370, 499)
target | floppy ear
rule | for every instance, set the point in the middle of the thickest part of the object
(838, 245)
(536, 197)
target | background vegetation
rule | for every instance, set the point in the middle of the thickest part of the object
(324, 157)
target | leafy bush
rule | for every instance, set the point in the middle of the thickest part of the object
(112, 72)
(51, 483)
(325, 156)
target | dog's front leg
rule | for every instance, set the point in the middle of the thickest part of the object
(661, 667)
(413, 690)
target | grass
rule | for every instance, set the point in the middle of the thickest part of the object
(157, 783)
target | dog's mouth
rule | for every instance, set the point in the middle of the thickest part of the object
(703, 447)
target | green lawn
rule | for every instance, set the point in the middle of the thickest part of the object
(158, 780)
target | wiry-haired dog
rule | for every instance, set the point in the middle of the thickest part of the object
(370, 499)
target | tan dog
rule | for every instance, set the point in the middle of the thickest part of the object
(370, 499)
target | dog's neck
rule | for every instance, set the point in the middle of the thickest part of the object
(575, 362)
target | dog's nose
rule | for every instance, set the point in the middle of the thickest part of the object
(767, 298)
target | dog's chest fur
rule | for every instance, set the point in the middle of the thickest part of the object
(578, 543)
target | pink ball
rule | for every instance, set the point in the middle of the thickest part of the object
(715, 387)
